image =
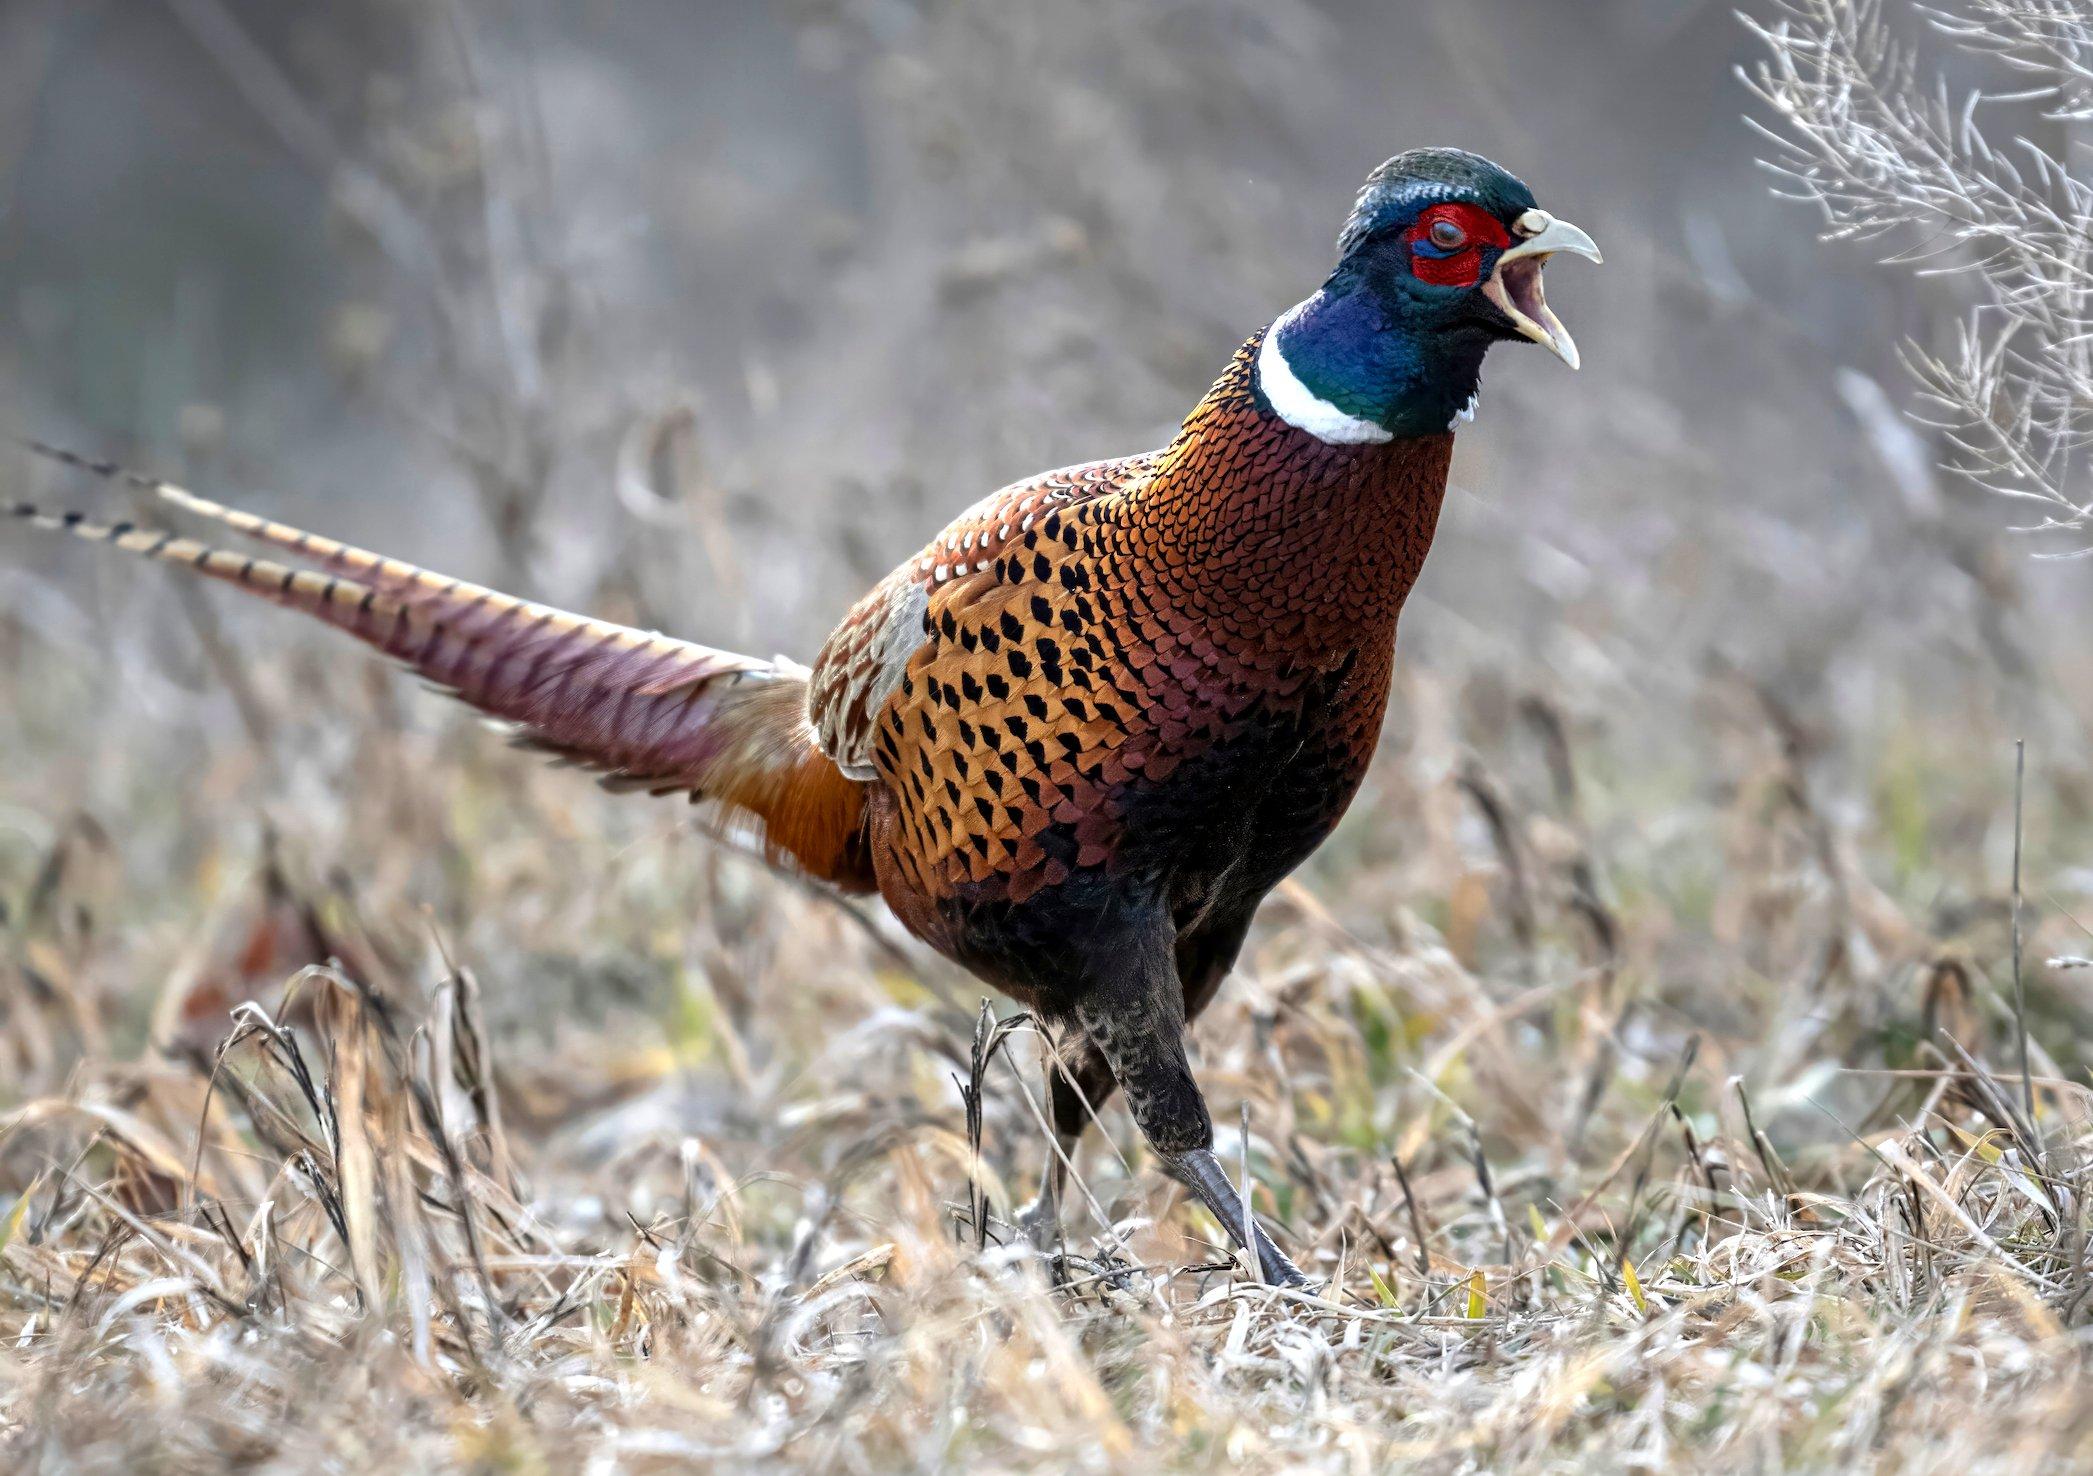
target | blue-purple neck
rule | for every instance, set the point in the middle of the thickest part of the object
(1364, 352)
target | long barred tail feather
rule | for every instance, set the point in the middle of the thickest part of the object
(644, 710)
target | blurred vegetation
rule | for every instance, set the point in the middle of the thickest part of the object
(1697, 798)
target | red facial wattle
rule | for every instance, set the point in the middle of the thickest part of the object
(1457, 262)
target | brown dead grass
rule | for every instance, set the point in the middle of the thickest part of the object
(1637, 1064)
(614, 1151)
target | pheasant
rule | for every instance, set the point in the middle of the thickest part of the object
(1076, 740)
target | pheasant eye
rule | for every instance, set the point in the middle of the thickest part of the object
(1447, 236)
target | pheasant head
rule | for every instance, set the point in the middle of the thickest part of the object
(1440, 259)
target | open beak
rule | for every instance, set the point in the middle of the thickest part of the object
(1515, 286)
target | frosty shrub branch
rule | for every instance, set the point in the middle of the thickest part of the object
(1987, 184)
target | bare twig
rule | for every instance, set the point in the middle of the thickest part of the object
(1957, 185)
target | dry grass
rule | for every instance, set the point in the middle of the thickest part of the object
(1638, 1064)
(713, 1206)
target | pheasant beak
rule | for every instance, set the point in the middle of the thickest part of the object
(1515, 285)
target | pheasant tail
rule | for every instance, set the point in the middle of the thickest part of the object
(646, 711)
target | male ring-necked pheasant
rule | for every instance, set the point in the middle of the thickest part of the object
(1076, 740)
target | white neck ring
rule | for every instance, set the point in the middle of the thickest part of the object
(1301, 407)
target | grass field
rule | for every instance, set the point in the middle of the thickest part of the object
(1617, 1145)
(1639, 1068)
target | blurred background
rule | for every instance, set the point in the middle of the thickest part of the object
(1688, 856)
(705, 314)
